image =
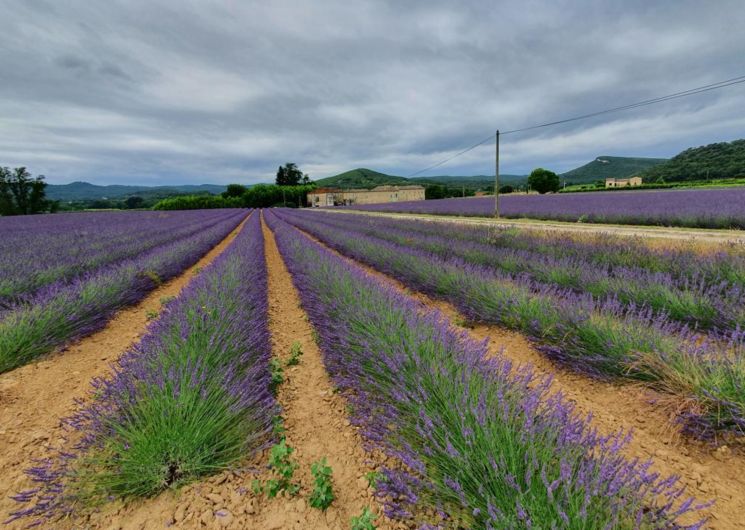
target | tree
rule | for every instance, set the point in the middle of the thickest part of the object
(234, 190)
(6, 198)
(435, 191)
(506, 189)
(21, 194)
(290, 175)
(134, 202)
(543, 180)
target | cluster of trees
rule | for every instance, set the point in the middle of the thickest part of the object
(198, 202)
(544, 181)
(440, 191)
(290, 175)
(22, 194)
(722, 160)
(259, 196)
(291, 190)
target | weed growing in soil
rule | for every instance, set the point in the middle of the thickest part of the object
(283, 468)
(278, 426)
(364, 521)
(153, 276)
(277, 375)
(166, 299)
(152, 314)
(373, 477)
(322, 495)
(296, 351)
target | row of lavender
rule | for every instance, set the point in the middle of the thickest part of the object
(487, 447)
(44, 250)
(600, 337)
(700, 208)
(63, 311)
(189, 400)
(683, 284)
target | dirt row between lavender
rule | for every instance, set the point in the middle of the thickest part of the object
(707, 472)
(315, 426)
(34, 397)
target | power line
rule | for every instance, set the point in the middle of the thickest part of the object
(438, 164)
(677, 95)
(644, 103)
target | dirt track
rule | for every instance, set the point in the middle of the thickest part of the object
(667, 233)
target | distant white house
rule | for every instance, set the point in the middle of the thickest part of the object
(623, 183)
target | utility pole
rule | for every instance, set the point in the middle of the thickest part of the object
(496, 179)
(284, 202)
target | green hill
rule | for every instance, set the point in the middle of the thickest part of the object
(610, 167)
(476, 182)
(724, 160)
(84, 191)
(367, 178)
(360, 178)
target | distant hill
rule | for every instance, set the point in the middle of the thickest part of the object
(367, 178)
(722, 160)
(84, 191)
(610, 167)
(474, 182)
(360, 178)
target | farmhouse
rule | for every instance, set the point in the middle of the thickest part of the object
(338, 197)
(623, 183)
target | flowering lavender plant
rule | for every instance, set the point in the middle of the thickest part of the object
(602, 338)
(484, 445)
(189, 400)
(63, 311)
(39, 250)
(706, 302)
(704, 208)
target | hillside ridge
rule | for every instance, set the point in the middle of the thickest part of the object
(81, 191)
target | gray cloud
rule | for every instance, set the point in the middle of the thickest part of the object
(158, 92)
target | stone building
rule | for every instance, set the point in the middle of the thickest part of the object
(338, 197)
(623, 183)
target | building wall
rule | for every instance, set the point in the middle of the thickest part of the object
(374, 196)
(623, 183)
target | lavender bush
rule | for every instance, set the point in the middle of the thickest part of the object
(700, 208)
(486, 447)
(602, 338)
(189, 400)
(691, 298)
(38, 250)
(58, 314)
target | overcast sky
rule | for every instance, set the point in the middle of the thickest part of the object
(158, 92)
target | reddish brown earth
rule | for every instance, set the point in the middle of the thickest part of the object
(34, 397)
(707, 472)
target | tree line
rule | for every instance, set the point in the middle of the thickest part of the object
(21, 193)
(721, 160)
(290, 189)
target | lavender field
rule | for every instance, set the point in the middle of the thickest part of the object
(600, 323)
(699, 208)
(65, 275)
(371, 399)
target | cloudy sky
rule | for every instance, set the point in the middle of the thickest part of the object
(157, 92)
